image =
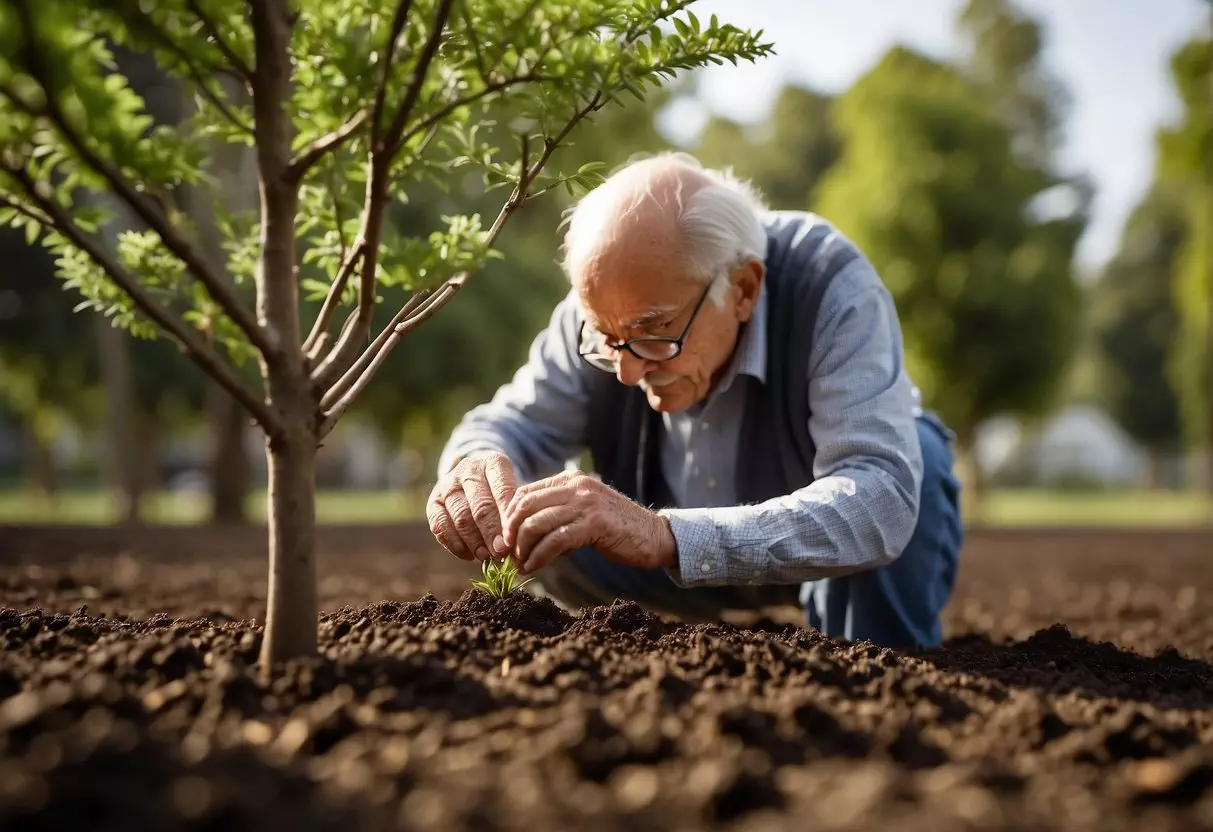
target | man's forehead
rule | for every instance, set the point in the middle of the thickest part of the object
(608, 310)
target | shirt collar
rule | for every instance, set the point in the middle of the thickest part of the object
(750, 356)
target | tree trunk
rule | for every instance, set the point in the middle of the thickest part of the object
(1208, 356)
(229, 460)
(42, 466)
(123, 463)
(972, 479)
(1154, 467)
(291, 607)
(290, 624)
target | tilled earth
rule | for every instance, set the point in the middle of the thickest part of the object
(1074, 693)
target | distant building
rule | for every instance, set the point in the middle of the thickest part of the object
(1077, 446)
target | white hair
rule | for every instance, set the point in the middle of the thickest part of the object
(720, 223)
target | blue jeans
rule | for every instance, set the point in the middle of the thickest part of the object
(896, 605)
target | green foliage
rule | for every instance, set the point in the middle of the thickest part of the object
(1004, 57)
(71, 120)
(1185, 164)
(500, 577)
(478, 342)
(929, 187)
(1135, 321)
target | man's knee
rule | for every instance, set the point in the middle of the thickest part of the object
(939, 527)
(900, 604)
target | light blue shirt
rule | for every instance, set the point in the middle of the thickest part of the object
(859, 512)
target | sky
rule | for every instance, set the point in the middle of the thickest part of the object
(1111, 54)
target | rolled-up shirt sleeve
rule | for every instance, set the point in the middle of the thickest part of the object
(861, 509)
(539, 418)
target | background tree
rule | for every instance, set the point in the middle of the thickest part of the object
(1185, 153)
(787, 155)
(1002, 52)
(929, 186)
(324, 129)
(1134, 322)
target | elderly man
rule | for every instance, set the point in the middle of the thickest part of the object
(737, 377)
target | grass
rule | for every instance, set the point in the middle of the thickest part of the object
(1039, 507)
(1029, 507)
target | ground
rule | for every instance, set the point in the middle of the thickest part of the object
(1075, 692)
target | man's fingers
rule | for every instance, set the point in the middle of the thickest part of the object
(443, 528)
(482, 506)
(559, 541)
(525, 505)
(499, 473)
(465, 525)
(539, 525)
(539, 485)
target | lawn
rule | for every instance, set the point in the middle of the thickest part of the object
(1004, 508)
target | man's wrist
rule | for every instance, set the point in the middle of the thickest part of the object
(666, 545)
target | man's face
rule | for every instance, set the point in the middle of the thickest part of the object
(642, 301)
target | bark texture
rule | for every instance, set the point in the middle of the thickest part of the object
(291, 613)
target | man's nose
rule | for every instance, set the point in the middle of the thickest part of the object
(630, 369)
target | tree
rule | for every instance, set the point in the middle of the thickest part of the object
(1185, 161)
(929, 187)
(353, 104)
(1134, 320)
(1002, 54)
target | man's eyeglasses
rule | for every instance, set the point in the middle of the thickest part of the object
(597, 352)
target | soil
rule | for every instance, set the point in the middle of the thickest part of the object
(1075, 692)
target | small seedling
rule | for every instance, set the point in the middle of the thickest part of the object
(500, 577)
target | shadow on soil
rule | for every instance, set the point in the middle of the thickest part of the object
(1054, 660)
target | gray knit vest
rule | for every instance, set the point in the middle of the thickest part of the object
(775, 451)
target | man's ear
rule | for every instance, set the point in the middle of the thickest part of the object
(748, 280)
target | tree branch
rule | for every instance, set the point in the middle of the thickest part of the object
(312, 154)
(346, 390)
(428, 51)
(26, 211)
(383, 148)
(352, 383)
(245, 71)
(277, 278)
(467, 22)
(446, 110)
(319, 334)
(203, 355)
(218, 289)
(389, 57)
(160, 35)
(355, 372)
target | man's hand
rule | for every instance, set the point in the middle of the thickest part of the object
(555, 516)
(466, 506)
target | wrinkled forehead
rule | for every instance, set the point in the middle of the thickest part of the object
(632, 300)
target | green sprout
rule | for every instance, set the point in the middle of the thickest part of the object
(500, 577)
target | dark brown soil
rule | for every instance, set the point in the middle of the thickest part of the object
(1075, 693)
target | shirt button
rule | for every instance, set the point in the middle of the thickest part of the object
(712, 482)
(706, 566)
(703, 425)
